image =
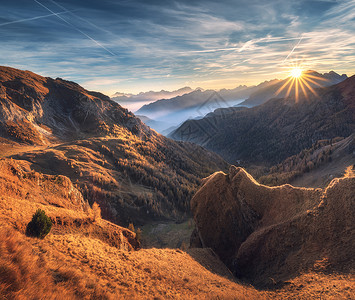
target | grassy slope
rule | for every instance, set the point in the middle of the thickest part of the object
(84, 256)
(88, 258)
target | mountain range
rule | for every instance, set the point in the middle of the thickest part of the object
(277, 129)
(169, 113)
(134, 101)
(92, 167)
(172, 112)
(273, 88)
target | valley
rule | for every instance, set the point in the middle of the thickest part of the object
(163, 150)
(96, 169)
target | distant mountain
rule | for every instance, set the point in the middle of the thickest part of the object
(133, 102)
(198, 103)
(194, 105)
(156, 125)
(277, 129)
(135, 174)
(273, 89)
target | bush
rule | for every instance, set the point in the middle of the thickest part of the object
(40, 225)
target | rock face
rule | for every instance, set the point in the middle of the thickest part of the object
(262, 232)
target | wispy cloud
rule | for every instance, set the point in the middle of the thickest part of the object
(139, 45)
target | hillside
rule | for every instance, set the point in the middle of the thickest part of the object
(135, 174)
(314, 167)
(269, 235)
(269, 133)
(39, 110)
(86, 257)
(274, 88)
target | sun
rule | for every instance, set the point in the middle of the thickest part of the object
(296, 73)
(300, 82)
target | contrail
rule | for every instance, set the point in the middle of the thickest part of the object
(34, 18)
(77, 29)
(293, 49)
(90, 23)
(76, 16)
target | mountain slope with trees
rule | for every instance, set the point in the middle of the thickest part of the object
(114, 159)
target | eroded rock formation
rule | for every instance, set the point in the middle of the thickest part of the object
(270, 234)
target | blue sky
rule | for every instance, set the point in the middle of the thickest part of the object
(132, 46)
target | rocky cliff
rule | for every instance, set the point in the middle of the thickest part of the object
(271, 234)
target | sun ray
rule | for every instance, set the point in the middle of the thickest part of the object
(303, 89)
(283, 86)
(309, 87)
(290, 87)
(315, 77)
(312, 81)
(300, 82)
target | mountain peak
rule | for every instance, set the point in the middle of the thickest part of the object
(36, 109)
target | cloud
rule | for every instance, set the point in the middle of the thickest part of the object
(139, 45)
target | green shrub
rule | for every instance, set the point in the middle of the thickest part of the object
(40, 225)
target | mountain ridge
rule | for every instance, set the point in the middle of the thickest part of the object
(276, 129)
(114, 158)
(274, 89)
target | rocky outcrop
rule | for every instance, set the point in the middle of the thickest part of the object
(269, 234)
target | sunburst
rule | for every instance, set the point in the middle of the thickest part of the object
(302, 82)
(296, 72)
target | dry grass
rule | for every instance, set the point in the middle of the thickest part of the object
(85, 257)
(317, 286)
(73, 266)
(25, 273)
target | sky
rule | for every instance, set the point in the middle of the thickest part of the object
(133, 46)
